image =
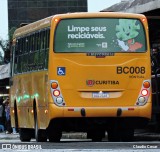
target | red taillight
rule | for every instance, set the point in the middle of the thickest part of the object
(144, 92)
(54, 85)
(56, 93)
(146, 84)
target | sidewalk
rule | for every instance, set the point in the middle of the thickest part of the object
(3, 135)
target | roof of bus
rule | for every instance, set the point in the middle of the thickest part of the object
(32, 27)
(46, 22)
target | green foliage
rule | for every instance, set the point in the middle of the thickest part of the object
(1, 58)
(2, 46)
(5, 46)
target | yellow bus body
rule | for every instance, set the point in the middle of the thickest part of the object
(84, 75)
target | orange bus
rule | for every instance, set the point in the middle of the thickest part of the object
(83, 72)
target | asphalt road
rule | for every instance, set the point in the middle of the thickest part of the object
(144, 142)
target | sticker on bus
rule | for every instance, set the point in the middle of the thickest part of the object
(61, 71)
(100, 35)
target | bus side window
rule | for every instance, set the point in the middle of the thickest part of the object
(15, 55)
(25, 55)
(35, 41)
(42, 50)
(31, 54)
(17, 60)
(15, 65)
(38, 40)
(21, 55)
(47, 48)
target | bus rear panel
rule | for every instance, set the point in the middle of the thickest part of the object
(99, 72)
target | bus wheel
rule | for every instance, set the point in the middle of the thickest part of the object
(127, 135)
(96, 136)
(16, 116)
(40, 134)
(113, 135)
(25, 134)
(54, 133)
(55, 136)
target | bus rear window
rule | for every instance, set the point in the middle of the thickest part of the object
(99, 35)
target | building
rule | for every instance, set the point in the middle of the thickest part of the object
(147, 7)
(150, 8)
(27, 11)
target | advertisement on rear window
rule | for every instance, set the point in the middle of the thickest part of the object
(99, 35)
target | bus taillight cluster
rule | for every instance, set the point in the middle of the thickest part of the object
(144, 93)
(56, 93)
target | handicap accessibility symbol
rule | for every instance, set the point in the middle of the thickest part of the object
(61, 71)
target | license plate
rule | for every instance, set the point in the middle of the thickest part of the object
(100, 95)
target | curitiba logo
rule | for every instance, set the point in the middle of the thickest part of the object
(101, 82)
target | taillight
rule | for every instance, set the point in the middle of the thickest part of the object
(146, 84)
(56, 93)
(144, 93)
(54, 85)
(59, 100)
(141, 100)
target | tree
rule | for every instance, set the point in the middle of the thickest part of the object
(1, 58)
(1, 52)
(11, 32)
(5, 46)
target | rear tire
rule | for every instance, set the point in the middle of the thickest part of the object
(54, 131)
(127, 135)
(16, 117)
(40, 135)
(95, 135)
(25, 134)
(54, 135)
(113, 135)
(124, 135)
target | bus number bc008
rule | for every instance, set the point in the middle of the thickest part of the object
(130, 70)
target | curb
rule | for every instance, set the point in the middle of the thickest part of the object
(64, 136)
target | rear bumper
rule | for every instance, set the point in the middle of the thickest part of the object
(82, 118)
(134, 111)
